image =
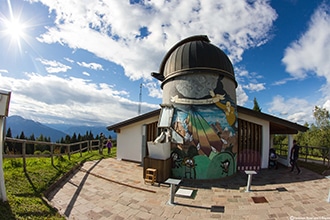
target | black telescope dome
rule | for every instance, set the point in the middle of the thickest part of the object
(194, 55)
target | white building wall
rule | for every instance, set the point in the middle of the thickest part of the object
(129, 141)
(265, 136)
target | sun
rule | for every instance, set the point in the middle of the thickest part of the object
(15, 29)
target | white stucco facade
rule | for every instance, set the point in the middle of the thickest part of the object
(130, 140)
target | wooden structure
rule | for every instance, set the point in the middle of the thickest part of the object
(163, 168)
(150, 176)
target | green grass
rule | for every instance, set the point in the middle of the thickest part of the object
(25, 189)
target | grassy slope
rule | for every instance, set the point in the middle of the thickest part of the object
(24, 190)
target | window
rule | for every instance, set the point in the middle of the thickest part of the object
(165, 117)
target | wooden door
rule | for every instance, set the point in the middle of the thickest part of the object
(249, 145)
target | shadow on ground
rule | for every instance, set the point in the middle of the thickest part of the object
(263, 177)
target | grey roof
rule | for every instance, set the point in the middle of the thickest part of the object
(277, 125)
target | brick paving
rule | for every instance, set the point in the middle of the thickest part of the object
(112, 189)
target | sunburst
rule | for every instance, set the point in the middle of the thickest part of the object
(13, 27)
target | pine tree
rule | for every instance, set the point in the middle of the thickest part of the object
(256, 105)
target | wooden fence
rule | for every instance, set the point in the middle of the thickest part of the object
(17, 148)
(307, 153)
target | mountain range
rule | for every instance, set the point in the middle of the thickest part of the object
(18, 124)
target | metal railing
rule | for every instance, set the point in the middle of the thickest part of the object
(307, 153)
(21, 148)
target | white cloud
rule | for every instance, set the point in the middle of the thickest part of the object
(53, 66)
(293, 109)
(93, 66)
(247, 81)
(327, 105)
(86, 73)
(69, 60)
(111, 29)
(310, 54)
(255, 86)
(3, 71)
(53, 99)
(242, 98)
(154, 89)
(282, 81)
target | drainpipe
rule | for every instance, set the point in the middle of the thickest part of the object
(144, 144)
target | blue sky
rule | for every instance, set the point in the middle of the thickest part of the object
(82, 62)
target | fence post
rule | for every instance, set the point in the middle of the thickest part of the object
(323, 155)
(52, 154)
(306, 153)
(80, 150)
(24, 152)
(68, 149)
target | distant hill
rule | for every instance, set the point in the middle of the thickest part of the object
(17, 124)
(96, 130)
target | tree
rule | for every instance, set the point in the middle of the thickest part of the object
(9, 134)
(67, 139)
(256, 105)
(9, 146)
(322, 117)
(74, 138)
(22, 136)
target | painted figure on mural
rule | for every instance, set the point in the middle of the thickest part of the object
(227, 108)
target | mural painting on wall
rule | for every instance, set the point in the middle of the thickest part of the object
(206, 117)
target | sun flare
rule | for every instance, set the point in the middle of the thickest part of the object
(15, 29)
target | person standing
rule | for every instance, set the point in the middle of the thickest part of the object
(294, 157)
(109, 146)
(101, 143)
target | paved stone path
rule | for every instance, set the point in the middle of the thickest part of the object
(112, 189)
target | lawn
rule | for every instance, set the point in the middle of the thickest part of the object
(25, 189)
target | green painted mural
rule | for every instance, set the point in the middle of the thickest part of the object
(210, 147)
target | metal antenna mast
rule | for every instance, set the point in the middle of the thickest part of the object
(140, 99)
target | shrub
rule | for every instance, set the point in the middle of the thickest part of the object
(37, 152)
(46, 152)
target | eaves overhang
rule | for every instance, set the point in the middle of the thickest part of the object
(142, 117)
(277, 125)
